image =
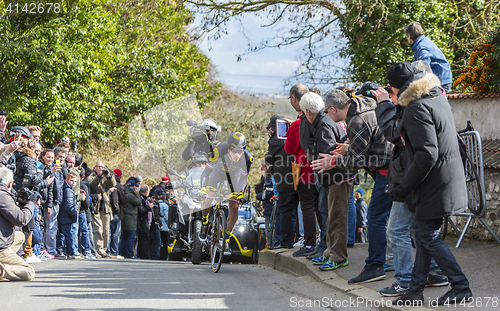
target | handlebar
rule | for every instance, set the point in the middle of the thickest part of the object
(469, 128)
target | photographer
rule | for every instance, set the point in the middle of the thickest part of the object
(12, 266)
(202, 140)
(101, 181)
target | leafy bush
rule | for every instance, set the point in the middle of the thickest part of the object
(483, 71)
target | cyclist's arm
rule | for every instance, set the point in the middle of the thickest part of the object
(244, 174)
(206, 175)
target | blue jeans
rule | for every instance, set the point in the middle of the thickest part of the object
(351, 223)
(430, 245)
(127, 242)
(377, 214)
(434, 268)
(83, 233)
(398, 235)
(50, 228)
(69, 232)
(114, 234)
(300, 220)
(323, 209)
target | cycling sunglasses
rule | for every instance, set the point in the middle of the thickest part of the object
(237, 151)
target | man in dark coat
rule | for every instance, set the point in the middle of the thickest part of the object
(281, 167)
(129, 220)
(434, 179)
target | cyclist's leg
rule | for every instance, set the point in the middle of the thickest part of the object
(207, 203)
(233, 215)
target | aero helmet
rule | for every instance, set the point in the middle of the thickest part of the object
(237, 140)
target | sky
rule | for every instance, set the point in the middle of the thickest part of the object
(262, 72)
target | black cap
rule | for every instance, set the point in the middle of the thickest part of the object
(367, 88)
(20, 129)
(158, 191)
(399, 74)
(272, 123)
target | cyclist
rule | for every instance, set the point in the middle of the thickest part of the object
(202, 140)
(231, 161)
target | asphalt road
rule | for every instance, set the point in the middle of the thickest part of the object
(110, 284)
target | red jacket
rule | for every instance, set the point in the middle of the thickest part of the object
(292, 146)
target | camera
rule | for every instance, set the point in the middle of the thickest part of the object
(3, 112)
(29, 180)
(105, 172)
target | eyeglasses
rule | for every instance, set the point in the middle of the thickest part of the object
(237, 151)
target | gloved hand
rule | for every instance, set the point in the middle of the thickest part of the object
(203, 194)
(242, 201)
(398, 194)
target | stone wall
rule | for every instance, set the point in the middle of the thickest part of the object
(483, 112)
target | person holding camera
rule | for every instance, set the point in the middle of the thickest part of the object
(202, 140)
(12, 266)
(101, 181)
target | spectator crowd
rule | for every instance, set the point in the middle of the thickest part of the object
(53, 205)
(402, 135)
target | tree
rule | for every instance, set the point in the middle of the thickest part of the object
(87, 70)
(368, 36)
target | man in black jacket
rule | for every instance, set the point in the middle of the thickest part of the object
(434, 179)
(281, 167)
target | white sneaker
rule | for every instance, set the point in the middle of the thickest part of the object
(46, 256)
(119, 257)
(299, 243)
(32, 259)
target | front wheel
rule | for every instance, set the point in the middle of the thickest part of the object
(217, 240)
(196, 252)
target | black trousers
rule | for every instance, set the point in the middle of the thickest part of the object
(142, 245)
(165, 240)
(308, 197)
(287, 203)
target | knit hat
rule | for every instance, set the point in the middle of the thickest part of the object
(118, 172)
(165, 179)
(361, 191)
(399, 74)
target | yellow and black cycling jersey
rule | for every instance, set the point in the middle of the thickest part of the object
(220, 167)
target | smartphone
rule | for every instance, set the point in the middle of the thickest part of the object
(281, 129)
(3, 112)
